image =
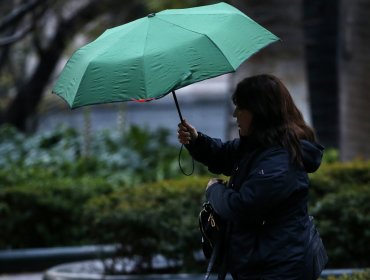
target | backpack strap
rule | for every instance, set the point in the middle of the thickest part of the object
(212, 260)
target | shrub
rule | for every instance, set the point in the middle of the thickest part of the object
(339, 198)
(130, 157)
(343, 219)
(364, 275)
(46, 213)
(331, 178)
(151, 219)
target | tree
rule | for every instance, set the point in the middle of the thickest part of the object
(155, 5)
(321, 53)
(354, 65)
(337, 44)
(43, 29)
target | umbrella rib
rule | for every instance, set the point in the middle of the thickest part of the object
(201, 34)
(97, 54)
(143, 57)
(232, 12)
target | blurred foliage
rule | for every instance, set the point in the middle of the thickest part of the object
(331, 155)
(134, 156)
(130, 191)
(339, 198)
(343, 218)
(150, 219)
(156, 6)
(332, 177)
(46, 212)
(53, 195)
(364, 275)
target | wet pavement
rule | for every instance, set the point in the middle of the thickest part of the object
(22, 276)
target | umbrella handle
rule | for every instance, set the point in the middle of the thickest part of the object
(177, 105)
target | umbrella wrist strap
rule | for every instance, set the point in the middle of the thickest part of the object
(180, 166)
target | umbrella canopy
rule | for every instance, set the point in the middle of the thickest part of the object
(152, 56)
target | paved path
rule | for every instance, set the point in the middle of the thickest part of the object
(23, 276)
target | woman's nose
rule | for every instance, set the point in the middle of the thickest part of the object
(234, 113)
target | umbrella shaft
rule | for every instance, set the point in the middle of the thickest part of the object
(177, 105)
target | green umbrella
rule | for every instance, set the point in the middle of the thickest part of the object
(155, 55)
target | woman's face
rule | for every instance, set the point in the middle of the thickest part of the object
(244, 120)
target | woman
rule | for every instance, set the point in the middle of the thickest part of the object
(265, 201)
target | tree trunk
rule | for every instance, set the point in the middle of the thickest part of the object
(21, 112)
(355, 82)
(321, 47)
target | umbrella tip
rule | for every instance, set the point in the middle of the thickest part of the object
(151, 15)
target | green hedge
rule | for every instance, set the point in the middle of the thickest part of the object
(146, 219)
(47, 212)
(339, 200)
(150, 219)
(343, 218)
(365, 275)
(332, 177)
(44, 210)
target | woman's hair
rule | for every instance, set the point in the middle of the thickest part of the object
(276, 119)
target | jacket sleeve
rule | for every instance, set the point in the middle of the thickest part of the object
(218, 156)
(271, 180)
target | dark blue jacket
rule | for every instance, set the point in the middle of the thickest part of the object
(265, 205)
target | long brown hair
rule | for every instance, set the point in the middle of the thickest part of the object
(276, 118)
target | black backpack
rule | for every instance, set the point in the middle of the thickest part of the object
(213, 231)
(211, 228)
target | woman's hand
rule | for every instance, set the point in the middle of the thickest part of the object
(186, 133)
(214, 181)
